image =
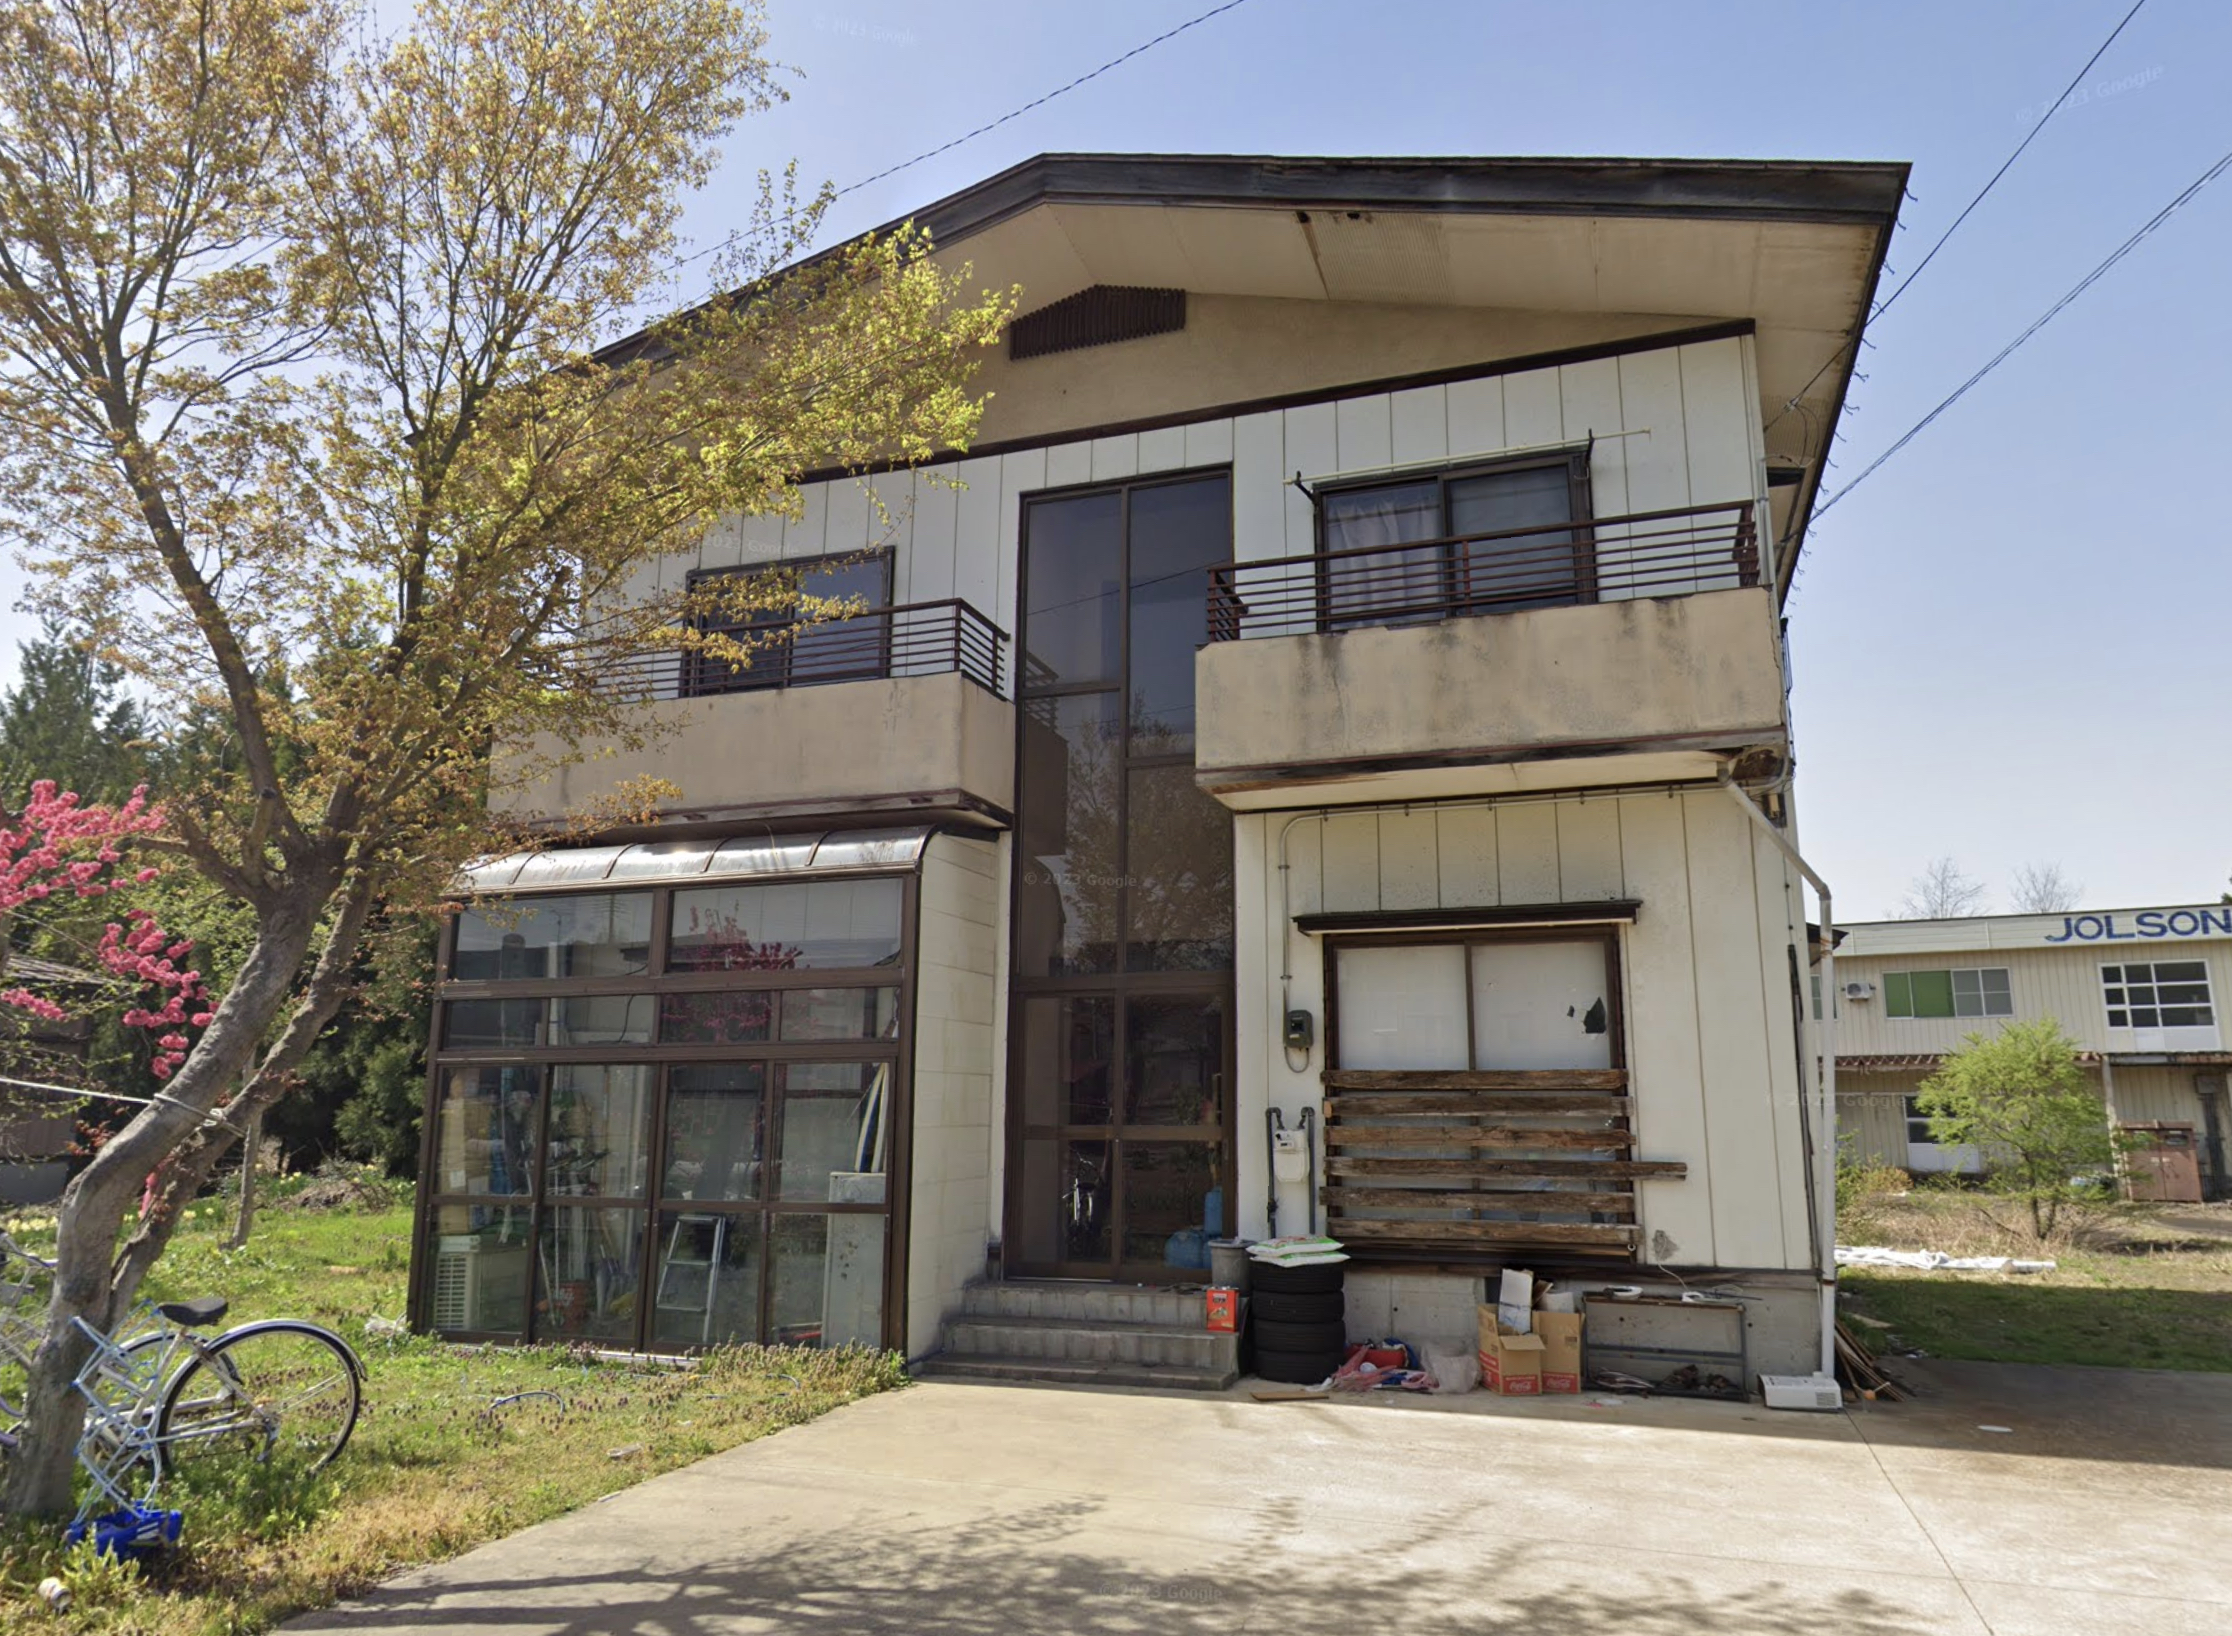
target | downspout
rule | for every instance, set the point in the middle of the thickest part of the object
(1821, 1176)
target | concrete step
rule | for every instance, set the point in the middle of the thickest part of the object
(1083, 1341)
(1096, 1303)
(1056, 1372)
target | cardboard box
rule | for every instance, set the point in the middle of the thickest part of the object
(1509, 1364)
(1222, 1302)
(1560, 1334)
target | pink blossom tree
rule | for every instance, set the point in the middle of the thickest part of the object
(61, 848)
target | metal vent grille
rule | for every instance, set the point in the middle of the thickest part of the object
(1096, 317)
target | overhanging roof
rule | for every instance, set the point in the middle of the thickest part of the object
(1648, 246)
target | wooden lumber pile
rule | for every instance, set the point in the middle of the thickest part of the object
(1856, 1367)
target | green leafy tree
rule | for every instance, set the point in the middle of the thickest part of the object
(2020, 1098)
(311, 369)
(70, 718)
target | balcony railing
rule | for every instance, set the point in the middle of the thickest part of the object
(1419, 582)
(913, 639)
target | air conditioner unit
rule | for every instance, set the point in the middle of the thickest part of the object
(1859, 991)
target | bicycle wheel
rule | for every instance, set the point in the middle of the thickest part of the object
(277, 1391)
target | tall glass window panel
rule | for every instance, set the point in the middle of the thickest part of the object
(1179, 531)
(1390, 586)
(1174, 1062)
(587, 1266)
(717, 1017)
(840, 1014)
(811, 925)
(706, 1281)
(485, 1130)
(836, 1134)
(1068, 1068)
(598, 1141)
(479, 1260)
(1402, 1008)
(601, 1019)
(1541, 1005)
(599, 934)
(837, 650)
(827, 1284)
(1533, 570)
(716, 1124)
(1178, 911)
(1169, 1198)
(1074, 590)
(1070, 831)
(480, 1025)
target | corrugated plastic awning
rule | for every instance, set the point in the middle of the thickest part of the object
(668, 863)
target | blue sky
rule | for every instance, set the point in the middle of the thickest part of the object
(2009, 644)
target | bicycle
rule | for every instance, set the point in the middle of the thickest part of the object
(170, 1401)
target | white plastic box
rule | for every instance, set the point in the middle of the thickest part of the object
(1817, 1393)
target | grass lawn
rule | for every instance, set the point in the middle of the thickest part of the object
(2143, 1287)
(437, 1463)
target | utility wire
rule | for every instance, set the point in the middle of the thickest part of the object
(993, 125)
(159, 1099)
(1884, 306)
(2040, 322)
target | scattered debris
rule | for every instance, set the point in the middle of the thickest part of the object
(2004, 1431)
(385, 1329)
(1611, 1380)
(55, 1594)
(335, 1193)
(1856, 1367)
(1878, 1255)
(519, 1397)
(626, 1451)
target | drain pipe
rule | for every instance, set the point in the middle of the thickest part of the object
(1822, 1175)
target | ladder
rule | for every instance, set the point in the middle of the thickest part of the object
(668, 1298)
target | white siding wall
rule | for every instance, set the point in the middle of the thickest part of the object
(956, 946)
(1711, 1052)
(1677, 426)
(2062, 983)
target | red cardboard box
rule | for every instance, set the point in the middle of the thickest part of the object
(1560, 1334)
(1509, 1364)
(1223, 1303)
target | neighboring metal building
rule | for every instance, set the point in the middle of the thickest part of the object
(1346, 676)
(2140, 990)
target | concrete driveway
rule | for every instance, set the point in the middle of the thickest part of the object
(995, 1510)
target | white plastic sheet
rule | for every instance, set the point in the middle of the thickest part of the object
(1876, 1255)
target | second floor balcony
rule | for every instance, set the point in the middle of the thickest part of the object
(894, 711)
(1623, 648)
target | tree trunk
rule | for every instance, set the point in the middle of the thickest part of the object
(41, 1474)
(244, 1220)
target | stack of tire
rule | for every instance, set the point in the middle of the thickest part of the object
(1297, 1320)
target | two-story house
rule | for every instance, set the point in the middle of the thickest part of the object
(2137, 989)
(1345, 678)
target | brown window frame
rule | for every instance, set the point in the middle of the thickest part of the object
(1560, 1243)
(1574, 459)
(707, 678)
(895, 1050)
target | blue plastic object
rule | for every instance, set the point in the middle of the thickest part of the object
(1188, 1247)
(129, 1533)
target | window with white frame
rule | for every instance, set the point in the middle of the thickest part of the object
(1981, 991)
(2158, 994)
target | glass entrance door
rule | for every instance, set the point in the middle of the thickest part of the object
(1119, 1111)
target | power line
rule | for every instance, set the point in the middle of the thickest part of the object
(2122, 250)
(1884, 306)
(993, 125)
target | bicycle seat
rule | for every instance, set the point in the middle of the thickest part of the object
(193, 1314)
